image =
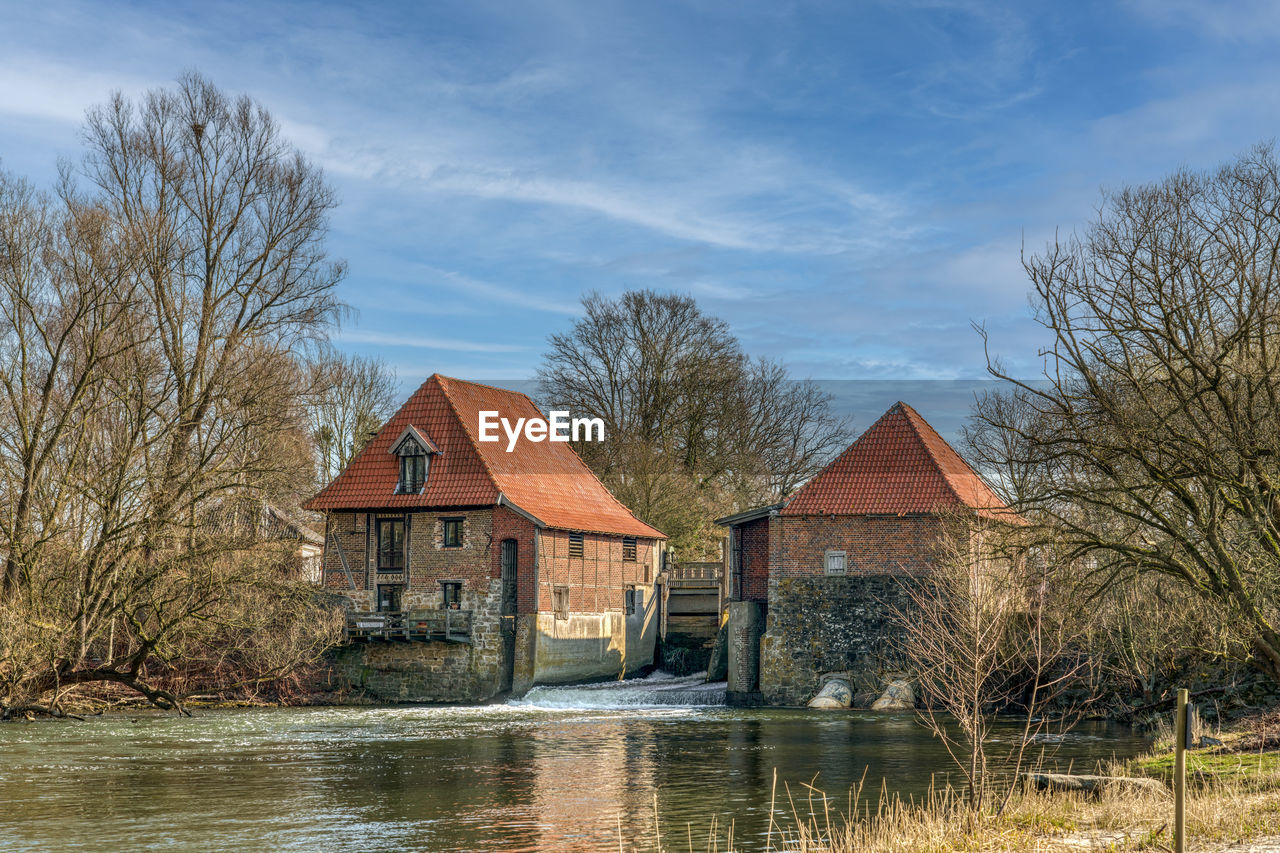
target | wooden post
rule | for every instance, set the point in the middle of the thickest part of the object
(1181, 731)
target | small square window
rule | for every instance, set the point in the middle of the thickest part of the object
(451, 599)
(835, 563)
(452, 532)
(560, 601)
(575, 545)
(629, 549)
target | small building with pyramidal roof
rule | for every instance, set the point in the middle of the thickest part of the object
(471, 570)
(809, 577)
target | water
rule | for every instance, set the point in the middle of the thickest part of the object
(558, 771)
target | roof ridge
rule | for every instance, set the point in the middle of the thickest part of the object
(444, 391)
(843, 453)
(490, 387)
(908, 412)
(536, 408)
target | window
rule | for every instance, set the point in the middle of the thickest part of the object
(452, 532)
(389, 598)
(560, 601)
(413, 473)
(629, 549)
(835, 563)
(575, 545)
(451, 598)
(635, 600)
(413, 449)
(390, 544)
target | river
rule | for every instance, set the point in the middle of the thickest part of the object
(564, 769)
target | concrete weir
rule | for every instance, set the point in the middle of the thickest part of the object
(657, 689)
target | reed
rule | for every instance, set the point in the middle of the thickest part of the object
(1234, 800)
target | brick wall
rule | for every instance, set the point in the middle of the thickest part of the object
(431, 671)
(754, 554)
(872, 544)
(598, 579)
(511, 525)
(428, 561)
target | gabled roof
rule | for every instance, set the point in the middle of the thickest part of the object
(545, 480)
(899, 466)
(425, 443)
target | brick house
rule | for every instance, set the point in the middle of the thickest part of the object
(809, 576)
(502, 569)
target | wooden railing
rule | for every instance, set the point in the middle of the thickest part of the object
(695, 574)
(451, 626)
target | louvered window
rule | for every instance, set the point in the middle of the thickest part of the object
(575, 545)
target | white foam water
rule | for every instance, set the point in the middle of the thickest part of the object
(659, 689)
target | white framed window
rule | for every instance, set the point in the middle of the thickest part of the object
(835, 564)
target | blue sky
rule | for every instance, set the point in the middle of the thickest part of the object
(848, 184)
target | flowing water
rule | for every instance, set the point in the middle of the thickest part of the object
(563, 769)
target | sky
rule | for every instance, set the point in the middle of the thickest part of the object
(849, 185)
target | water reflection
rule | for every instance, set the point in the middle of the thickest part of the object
(511, 778)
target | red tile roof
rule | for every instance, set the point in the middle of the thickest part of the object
(899, 466)
(547, 480)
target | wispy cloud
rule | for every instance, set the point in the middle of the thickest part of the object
(38, 88)
(1237, 21)
(389, 339)
(847, 185)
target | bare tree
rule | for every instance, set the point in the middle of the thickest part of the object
(1152, 441)
(985, 635)
(160, 325)
(349, 398)
(693, 427)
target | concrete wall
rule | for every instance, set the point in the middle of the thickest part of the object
(829, 624)
(746, 621)
(589, 646)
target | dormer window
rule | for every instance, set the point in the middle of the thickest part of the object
(413, 450)
(413, 472)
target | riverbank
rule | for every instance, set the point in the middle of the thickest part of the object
(1233, 805)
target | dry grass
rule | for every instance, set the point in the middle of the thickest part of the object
(1234, 800)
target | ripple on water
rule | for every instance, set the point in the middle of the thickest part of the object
(558, 771)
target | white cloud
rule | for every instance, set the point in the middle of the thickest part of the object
(40, 89)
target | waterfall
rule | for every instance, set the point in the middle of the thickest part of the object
(659, 688)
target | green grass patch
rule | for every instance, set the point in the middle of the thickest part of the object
(1261, 768)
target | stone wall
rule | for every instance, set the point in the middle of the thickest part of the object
(822, 624)
(431, 671)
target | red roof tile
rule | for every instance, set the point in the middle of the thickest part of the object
(899, 466)
(547, 480)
